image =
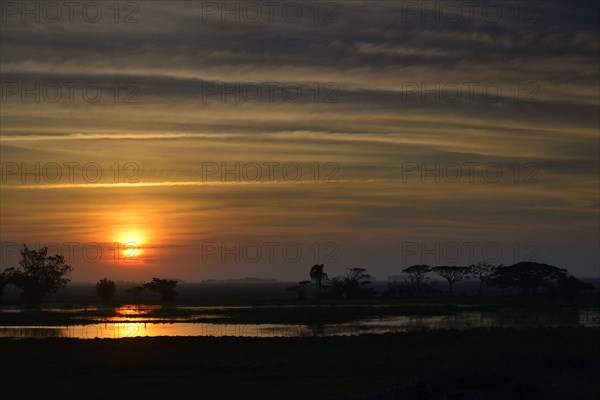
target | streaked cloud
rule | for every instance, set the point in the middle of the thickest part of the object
(392, 79)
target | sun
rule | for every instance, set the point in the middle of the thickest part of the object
(131, 245)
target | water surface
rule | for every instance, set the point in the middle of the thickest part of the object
(128, 323)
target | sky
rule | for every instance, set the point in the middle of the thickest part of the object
(217, 140)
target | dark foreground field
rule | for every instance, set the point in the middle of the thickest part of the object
(475, 364)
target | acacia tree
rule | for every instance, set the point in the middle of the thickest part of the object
(482, 271)
(526, 275)
(106, 289)
(417, 274)
(357, 283)
(318, 276)
(451, 274)
(38, 274)
(163, 286)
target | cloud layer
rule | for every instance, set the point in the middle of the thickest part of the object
(392, 99)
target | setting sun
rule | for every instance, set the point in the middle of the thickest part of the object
(130, 244)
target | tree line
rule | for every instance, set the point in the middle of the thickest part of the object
(165, 287)
(527, 276)
(39, 275)
(355, 284)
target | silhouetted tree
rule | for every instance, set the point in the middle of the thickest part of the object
(482, 271)
(135, 291)
(106, 289)
(163, 286)
(451, 274)
(417, 274)
(527, 276)
(357, 283)
(318, 276)
(335, 287)
(38, 274)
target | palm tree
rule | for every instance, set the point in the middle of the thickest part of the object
(318, 276)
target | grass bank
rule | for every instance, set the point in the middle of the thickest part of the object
(527, 364)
